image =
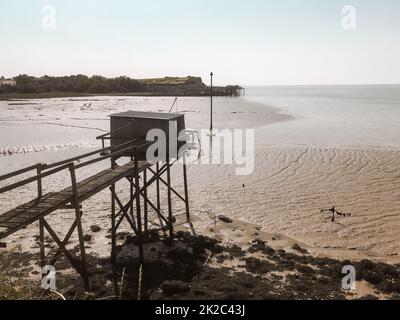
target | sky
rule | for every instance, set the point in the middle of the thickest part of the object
(246, 42)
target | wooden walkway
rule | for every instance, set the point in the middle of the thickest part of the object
(28, 213)
(72, 198)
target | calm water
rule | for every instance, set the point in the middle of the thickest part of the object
(349, 116)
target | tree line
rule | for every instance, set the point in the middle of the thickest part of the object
(75, 83)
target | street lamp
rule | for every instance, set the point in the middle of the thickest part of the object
(211, 124)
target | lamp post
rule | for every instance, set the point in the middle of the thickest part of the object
(211, 124)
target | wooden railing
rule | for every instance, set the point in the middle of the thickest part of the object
(46, 170)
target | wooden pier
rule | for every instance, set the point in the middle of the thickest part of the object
(72, 198)
(228, 91)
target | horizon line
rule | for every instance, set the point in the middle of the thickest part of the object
(217, 84)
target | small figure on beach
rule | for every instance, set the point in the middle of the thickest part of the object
(334, 212)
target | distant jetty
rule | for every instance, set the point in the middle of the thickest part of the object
(25, 86)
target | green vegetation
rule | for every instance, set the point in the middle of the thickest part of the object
(172, 81)
(77, 84)
(17, 289)
(28, 87)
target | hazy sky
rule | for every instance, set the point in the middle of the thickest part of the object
(248, 42)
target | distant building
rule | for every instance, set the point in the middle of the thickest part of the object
(8, 82)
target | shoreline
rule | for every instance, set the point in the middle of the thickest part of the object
(51, 95)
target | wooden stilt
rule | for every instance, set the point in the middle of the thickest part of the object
(41, 239)
(79, 227)
(41, 226)
(186, 189)
(131, 193)
(158, 194)
(154, 207)
(65, 241)
(169, 195)
(158, 187)
(113, 228)
(138, 213)
(145, 208)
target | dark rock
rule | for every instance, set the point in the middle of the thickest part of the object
(170, 288)
(221, 258)
(259, 266)
(258, 245)
(173, 220)
(366, 265)
(181, 235)
(201, 243)
(287, 264)
(387, 286)
(87, 237)
(322, 261)
(299, 249)
(95, 228)
(225, 219)
(395, 287)
(218, 249)
(323, 280)
(372, 276)
(387, 270)
(305, 269)
(236, 251)
(269, 251)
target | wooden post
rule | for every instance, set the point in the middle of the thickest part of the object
(79, 227)
(41, 239)
(158, 186)
(39, 181)
(113, 222)
(138, 212)
(145, 201)
(211, 95)
(132, 192)
(186, 189)
(170, 218)
(41, 224)
(113, 226)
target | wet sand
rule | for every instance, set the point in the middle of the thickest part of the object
(284, 195)
(291, 185)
